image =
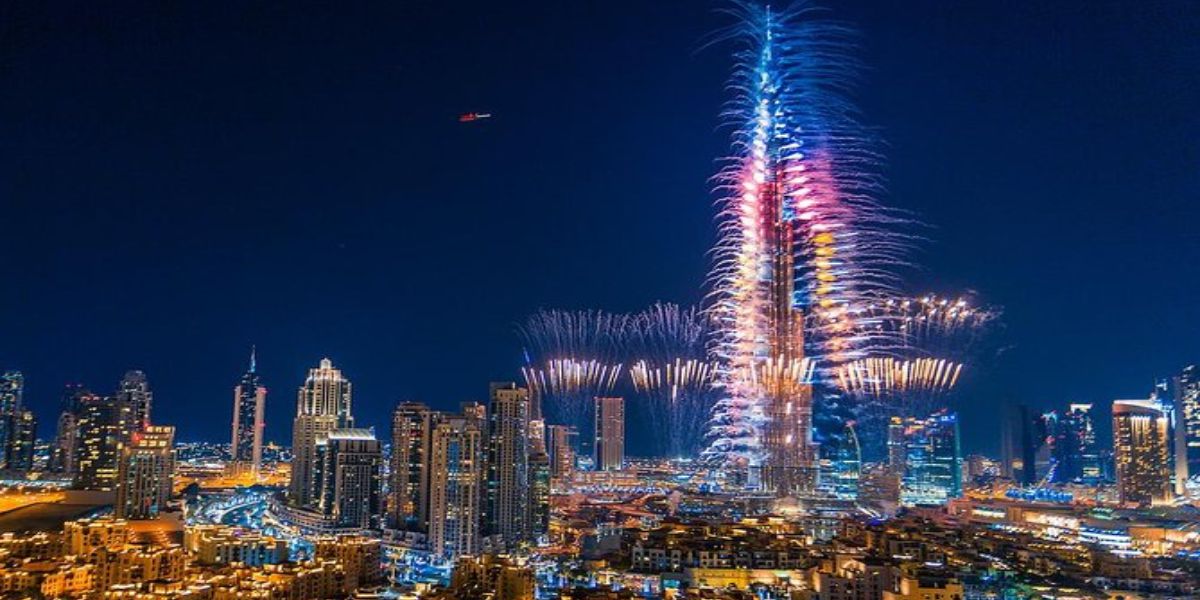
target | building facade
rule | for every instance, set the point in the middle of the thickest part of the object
(1142, 451)
(508, 479)
(349, 477)
(322, 405)
(412, 438)
(610, 434)
(457, 475)
(145, 474)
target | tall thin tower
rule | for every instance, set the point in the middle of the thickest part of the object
(802, 244)
(249, 402)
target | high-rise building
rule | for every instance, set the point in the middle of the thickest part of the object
(1142, 451)
(134, 391)
(932, 460)
(249, 404)
(562, 454)
(508, 480)
(349, 477)
(412, 437)
(457, 471)
(1072, 445)
(322, 405)
(610, 434)
(103, 424)
(66, 439)
(1187, 398)
(539, 494)
(12, 390)
(146, 473)
(1020, 442)
(23, 428)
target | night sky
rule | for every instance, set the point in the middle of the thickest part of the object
(179, 181)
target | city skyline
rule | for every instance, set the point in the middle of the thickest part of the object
(1077, 250)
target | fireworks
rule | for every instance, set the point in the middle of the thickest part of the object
(882, 377)
(572, 357)
(803, 244)
(672, 374)
(930, 325)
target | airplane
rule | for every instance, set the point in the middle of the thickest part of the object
(471, 116)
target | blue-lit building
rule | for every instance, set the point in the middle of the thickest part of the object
(932, 469)
(1072, 444)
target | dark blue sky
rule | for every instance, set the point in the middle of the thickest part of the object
(181, 180)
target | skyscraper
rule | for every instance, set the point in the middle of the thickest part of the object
(249, 404)
(562, 454)
(349, 477)
(412, 438)
(1072, 439)
(507, 508)
(932, 460)
(1187, 397)
(1019, 445)
(12, 388)
(539, 494)
(145, 473)
(134, 391)
(1141, 450)
(66, 439)
(23, 426)
(322, 405)
(103, 424)
(456, 465)
(610, 434)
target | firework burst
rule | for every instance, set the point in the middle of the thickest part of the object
(672, 375)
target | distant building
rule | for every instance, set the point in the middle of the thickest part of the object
(1142, 451)
(1020, 442)
(1187, 398)
(539, 494)
(146, 473)
(1072, 445)
(349, 476)
(457, 474)
(322, 405)
(412, 437)
(610, 434)
(560, 450)
(23, 429)
(64, 453)
(134, 392)
(507, 508)
(12, 391)
(249, 406)
(102, 429)
(932, 459)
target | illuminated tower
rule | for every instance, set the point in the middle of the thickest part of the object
(932, 459)
(610, 434)
(1142, 451)
(249, 402)
(803, 245)
(134, 392)
(508, 464)
(322, 405)
(146, 473)
(412, 436)
(456, 465)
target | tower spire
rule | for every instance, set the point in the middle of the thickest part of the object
(253, 359)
